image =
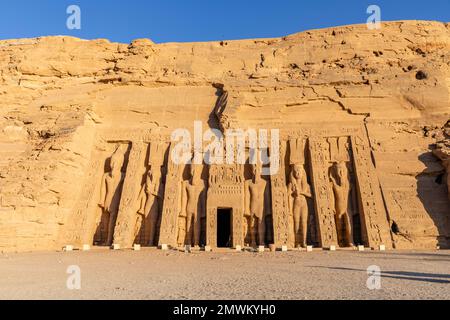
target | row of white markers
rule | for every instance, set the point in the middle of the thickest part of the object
(188, 248)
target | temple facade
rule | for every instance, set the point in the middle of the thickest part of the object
(325, 192)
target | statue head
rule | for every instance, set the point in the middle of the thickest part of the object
(116, 161)
(154, 173)
(297, 171)
(340, 169)
(256, 170)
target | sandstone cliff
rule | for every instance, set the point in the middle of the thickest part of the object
(58, 93)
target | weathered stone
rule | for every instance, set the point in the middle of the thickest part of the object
(86, 148)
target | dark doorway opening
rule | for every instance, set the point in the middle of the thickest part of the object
(224, 228)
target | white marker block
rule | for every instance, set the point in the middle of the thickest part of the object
(360, 248)
(284, 248)
(261, 249)
(332, 248)
(238, 248)
(68, 248)
(382, 247)
(86, 247)
(309, 248)
(164, 247)
(207, 249)
(116, 246)
(137, 247)
(187, 248)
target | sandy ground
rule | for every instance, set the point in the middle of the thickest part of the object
(154, 274)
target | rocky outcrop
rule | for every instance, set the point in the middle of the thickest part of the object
(66, 103)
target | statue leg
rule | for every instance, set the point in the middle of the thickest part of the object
(152, 222)
(261, 231)
(181, 230)
(338, 220)
(296, 225)
(253, 231)
(304, 224)
(245, 228)
(197, 229)
(111, 226)
(189, 227)
(137, 227)
(348, 229)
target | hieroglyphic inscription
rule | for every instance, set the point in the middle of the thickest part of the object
(211, 230)
(84, 217)
(323, 193)
(124, 231)
(373, 214)
(280, 207)
(171, 205)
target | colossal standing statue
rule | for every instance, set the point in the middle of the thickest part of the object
(341, 189)
(150, 204)
(255, 197)
(193, 204)
(110, 192)
(298, 191)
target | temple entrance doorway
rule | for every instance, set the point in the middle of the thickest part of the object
(224, 227)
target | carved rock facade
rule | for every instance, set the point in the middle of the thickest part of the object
(86, 129)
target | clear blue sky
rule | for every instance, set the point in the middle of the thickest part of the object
(200, 20)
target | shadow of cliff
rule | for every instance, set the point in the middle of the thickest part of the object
(432, 192)
(402, 275)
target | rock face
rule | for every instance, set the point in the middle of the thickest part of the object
(86, 148)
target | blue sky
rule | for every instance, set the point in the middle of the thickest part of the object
(200, 20)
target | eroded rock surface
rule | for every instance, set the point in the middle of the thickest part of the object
(371, 102)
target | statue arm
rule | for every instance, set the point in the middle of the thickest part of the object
(306, 187)
(290, 199)
(333, 180)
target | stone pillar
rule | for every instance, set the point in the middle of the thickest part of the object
(211, 227)
(87, 209)
(323, 194)
(171, 205)
(374, 220)
(126, 217)
(280, 207)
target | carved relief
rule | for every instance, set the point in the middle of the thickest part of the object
(169, 230)
(151, 196)
(226, 192)
(111, 192)
(170, 204)
(319, 150)
(373, 214)
(341, 190)
(280, 208)
(298, 191)
(150, 205)
(193, 206)
(255, 206)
